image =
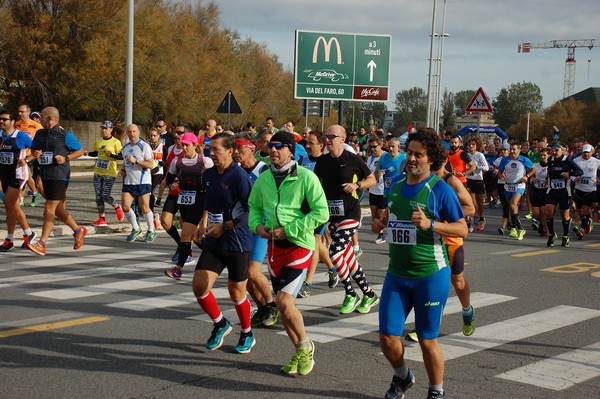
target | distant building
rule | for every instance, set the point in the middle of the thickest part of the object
(388, 121)
(591, 95)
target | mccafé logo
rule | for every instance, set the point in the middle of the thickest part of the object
(327, 44)
(370, 92)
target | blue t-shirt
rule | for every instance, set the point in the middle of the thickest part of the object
(226, 199)
(391, 167)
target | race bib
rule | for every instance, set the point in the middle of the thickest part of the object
(402, 232)
(215, 218)
(511, 187)
(557, 184)
(387, 181)
(586, 181)
(102, 164)
(46, 158)
(336, 207)
(7, 158)
(188, 197)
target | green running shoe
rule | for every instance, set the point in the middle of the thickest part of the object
(513, 233)
(134, 234)
(520, 234)
(350, 304)
(552, 237)
(367, 303)
(306, 360)
(469, 323)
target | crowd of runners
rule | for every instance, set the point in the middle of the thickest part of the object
(292, 200)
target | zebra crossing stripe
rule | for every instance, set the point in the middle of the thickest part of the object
(49, 261)
(575, 366)
(167, 301)
(353, 326)
(496, 334)
(101, 289)
(77, 274)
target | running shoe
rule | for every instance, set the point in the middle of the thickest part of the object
(134, 234)
(29, 192)
(189, 259)
(79, 237)
(470, 225)
(481, 224)
(333, 278)
(411, 336)
(304, 290)
(7, 246)
(399, 386)
(367, 303)
(380, 239)
(551, 240)
(272, 317)
(469, 323)
(566, 241)
(588, 228)
(156, 221)
(261, 314)
(100, 222)
(535, 225)
(35, 198)
(306, 360)
(350, 304)
(120, 214)
(575, 229)
(150, 236)
(218, 335)
(28, 238)
(433, 394)
(528, 215)
(358, 253)
(174, 273)
(513, 233)
(246, 343)
(502, 231)
(580, 234)
(292, 366)
(37, 248)
(175, 256)
(520, 234)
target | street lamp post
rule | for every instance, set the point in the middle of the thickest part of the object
(429, 77)
(440, 63)
(129, 82)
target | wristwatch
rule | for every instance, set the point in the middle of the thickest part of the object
(358, 184)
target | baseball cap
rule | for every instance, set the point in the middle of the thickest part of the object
(35, 114)
(106, 124)
(557, 146)
(189, 138)
(505, 146)
(587, 148)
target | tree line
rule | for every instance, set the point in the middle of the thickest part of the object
(72, 54)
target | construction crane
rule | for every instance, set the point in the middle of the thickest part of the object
(570, 45)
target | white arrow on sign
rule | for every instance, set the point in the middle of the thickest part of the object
(371, 65)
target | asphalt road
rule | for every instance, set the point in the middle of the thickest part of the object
(103, 322)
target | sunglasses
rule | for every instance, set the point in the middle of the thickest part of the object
(330, 137)
(159, 126)
(277, 146)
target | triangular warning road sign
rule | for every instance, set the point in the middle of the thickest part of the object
(479, 103)
(229, 105)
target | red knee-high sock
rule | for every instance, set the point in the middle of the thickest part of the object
(243, 311)
(208, 303)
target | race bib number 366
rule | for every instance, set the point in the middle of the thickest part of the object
(402, 232)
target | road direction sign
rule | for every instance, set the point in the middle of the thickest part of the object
(479, 103)
(342, 66)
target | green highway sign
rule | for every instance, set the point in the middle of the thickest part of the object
(342, 66)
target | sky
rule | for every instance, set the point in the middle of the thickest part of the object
(480, 50)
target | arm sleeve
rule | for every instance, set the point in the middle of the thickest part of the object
(319, 212)
(71, 142)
